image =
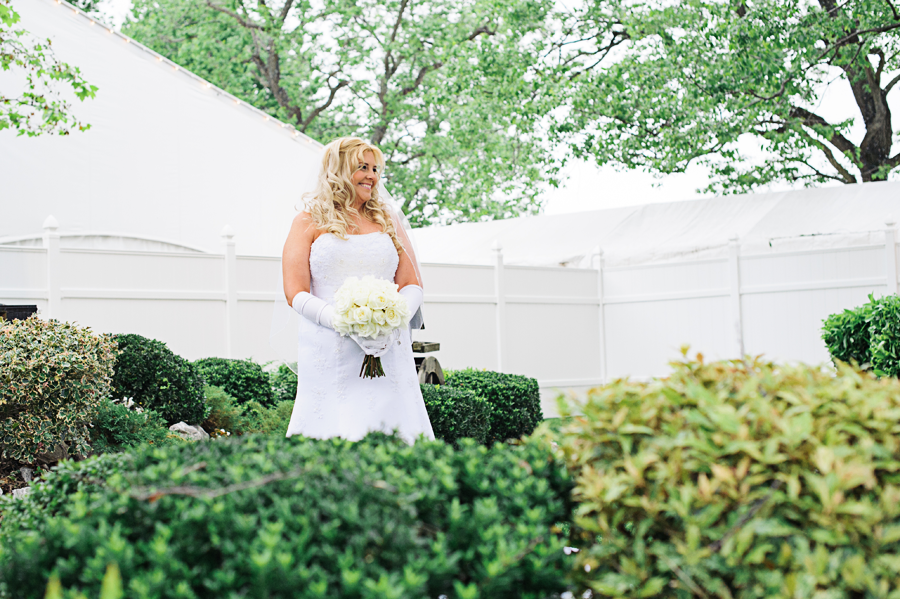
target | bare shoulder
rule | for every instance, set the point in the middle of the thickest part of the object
(304, 226)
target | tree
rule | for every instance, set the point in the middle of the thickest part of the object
(446, 88)
(658, 86)
(41, 108)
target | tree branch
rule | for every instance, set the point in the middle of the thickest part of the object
(810, 119)
(420, 77)
(244, 23)
(892, 83)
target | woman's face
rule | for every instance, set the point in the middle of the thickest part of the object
(366, 177)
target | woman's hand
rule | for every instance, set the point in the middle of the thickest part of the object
(379, 345)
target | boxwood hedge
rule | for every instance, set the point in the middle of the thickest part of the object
(515, 400)
(271, 517)
(456, 413)
(244, 380)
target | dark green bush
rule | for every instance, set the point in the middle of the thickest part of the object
(456, 413)
(868, 334)
(284, 383)
(117, 427)
(274, 420)
(739, 479)
(257, 516)
(244, 380)
(53, 376)
(515, 400)
(156, 379)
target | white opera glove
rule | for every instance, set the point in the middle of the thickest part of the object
(313, 308)
(415, 296)
(379, 345)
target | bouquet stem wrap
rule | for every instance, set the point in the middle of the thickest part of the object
(369, 307)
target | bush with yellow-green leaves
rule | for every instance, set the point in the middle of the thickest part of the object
(738, 479)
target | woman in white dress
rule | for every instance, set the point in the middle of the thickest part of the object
(348, 231)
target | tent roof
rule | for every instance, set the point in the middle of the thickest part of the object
(168, 155)
(806, 218)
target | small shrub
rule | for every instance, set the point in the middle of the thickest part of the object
(148, 372)
(117, 427)
(275, 420)
(244, 380)
(868, 335)
(225, 413)
(515, 400)
(456, 413)
(739, 479)
(284, 383)
(53, 376)
(257, 516)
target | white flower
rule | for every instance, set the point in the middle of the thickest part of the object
(392, 315)
(378, 317)
(361, 315)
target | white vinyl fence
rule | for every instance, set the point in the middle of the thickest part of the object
(569, 328)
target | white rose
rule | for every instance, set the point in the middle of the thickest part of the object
(367, 330)
(378, 299)
(393, 317)
(361, 315)
(378, 317)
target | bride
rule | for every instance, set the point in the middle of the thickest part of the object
(349, 231)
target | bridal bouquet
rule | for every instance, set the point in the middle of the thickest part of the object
(369, 307)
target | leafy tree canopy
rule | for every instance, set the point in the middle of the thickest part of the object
(658, 85)
(447, 88)
(41, 108)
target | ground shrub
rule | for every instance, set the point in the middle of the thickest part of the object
(53, 376)
(155, 378)
(738, 479)
(226, 415)
(244, 380)
(868, 335)
(274, 420)
(515, 400)
(284, 383)
(456, 413)
(117, 427)
(258, 516)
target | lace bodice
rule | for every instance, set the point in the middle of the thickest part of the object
(332, 260)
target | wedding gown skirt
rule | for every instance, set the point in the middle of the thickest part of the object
(332, 399)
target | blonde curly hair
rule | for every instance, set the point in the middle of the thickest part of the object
(330, 204)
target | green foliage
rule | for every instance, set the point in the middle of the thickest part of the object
(739, 479)
(117, 427)
(448, 89)
(244, 380)
(284, 383)
(270, 517)
(515, 400)
(226, 415)
(53, 375)
(456, 413)
(148, 372)
(658, 86)
(868, 335)
(274, 420)
(41, 108)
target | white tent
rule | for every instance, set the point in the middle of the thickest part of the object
(841, 216)
(169, 160)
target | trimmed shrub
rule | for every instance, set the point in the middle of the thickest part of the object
(226, 415)
(53, 376)
(117, 427)
(155, 378)
(739, 479)
(258, 516)
(284, 383)
(244, 380)
(868, 335)
(456, 413)
(515, 400)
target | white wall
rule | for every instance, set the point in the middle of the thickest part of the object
(559, 325)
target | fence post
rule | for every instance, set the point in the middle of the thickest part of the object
(51, 244)
(734, 277)
(597, 261)
(501, 303)
(890, 255)
(231, 313)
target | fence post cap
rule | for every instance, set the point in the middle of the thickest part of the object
(51, 223)
(227, 232)
(496, 246)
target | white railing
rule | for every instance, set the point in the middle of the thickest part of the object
(569, 328)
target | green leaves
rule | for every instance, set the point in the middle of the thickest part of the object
(456, 413)
(40, 108)
(375, 518)
(743, 479)
(53, 377)
(868, 335)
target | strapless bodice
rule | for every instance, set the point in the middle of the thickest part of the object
(333, 260)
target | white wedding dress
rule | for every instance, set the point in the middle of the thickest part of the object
(332, 399)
